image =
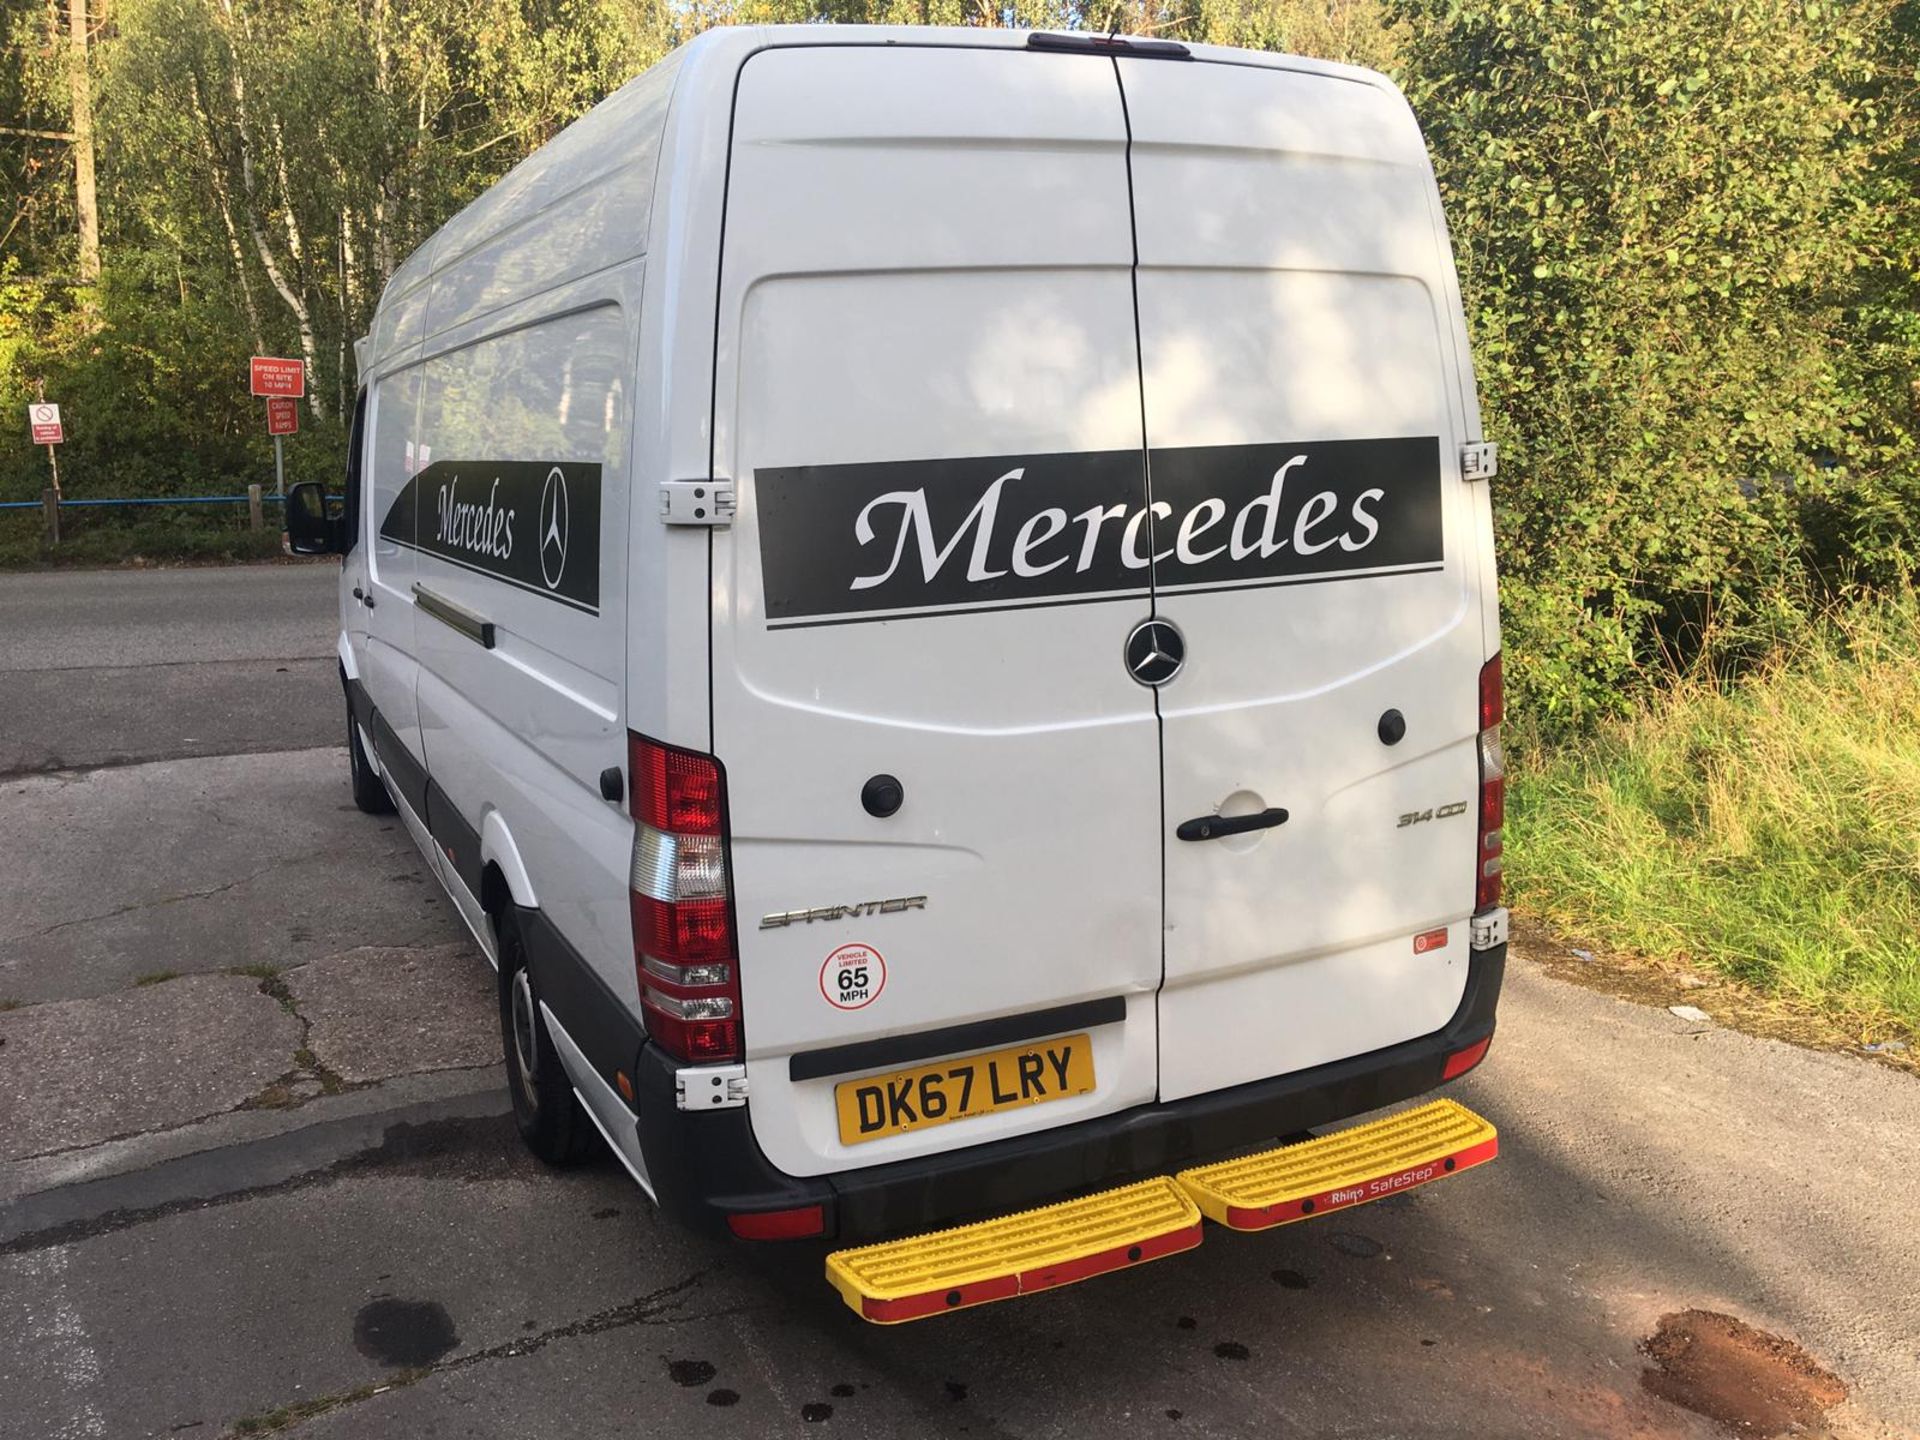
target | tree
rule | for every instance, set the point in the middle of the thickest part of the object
(80, 84)
(1663, 210)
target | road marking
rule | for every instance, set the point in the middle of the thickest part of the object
(58, 1326)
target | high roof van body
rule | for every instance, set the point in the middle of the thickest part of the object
(929, 595)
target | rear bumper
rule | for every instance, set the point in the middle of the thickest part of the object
(705, 1166)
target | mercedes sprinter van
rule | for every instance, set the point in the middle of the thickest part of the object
(929, 595)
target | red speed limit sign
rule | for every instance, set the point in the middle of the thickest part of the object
(44, 420)
(278, 377)
(283, 415)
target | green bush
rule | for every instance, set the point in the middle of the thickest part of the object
(1680, 228)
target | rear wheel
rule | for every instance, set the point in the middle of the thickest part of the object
(544, 1106)
(369, 793)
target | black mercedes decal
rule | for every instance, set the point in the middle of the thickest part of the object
(533, 523)
(880, 541)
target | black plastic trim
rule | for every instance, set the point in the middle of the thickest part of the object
(955, 1039)
(358, 698)
(705, 1166)
(409, 776)
(596, 1019)
(456, 838)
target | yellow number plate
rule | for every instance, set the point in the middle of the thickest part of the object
(951, 1090)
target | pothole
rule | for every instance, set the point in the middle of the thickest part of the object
(1751, 1382)
(404, 1333)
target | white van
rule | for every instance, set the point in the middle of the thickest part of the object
(928, 594)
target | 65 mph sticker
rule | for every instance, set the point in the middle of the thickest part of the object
(853, 977)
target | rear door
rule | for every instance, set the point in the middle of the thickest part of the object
(1320, 557)
(927, 397)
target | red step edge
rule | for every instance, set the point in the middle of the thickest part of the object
(1265, 1217)
(1027, 1282)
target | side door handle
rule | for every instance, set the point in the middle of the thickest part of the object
(476, 628)
(1212, 827)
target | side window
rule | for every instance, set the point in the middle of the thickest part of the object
(356, 444)
(521, 439)
(389, 458)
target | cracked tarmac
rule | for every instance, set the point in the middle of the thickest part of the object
(280, 1193)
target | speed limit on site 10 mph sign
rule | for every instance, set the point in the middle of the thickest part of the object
(270, 375)
(44, 420)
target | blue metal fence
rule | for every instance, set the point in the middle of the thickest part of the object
(66, 504)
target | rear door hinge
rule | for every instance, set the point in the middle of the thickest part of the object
(1479, 460)
(696, 502)
(1487, 929)
(710, 1087)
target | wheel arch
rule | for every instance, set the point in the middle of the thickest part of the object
(503, 875)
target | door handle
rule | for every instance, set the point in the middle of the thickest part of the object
(476, 628)
(1212, 827)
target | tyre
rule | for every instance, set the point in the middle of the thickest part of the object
(369, 792)
(544, 1105)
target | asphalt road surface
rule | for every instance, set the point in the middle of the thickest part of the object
(110, 667)
(256, 1175)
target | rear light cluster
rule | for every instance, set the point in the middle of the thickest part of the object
(683, 944)
(1493, 789)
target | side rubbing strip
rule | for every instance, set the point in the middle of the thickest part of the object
(457, 840)
(597, 1020)
(953, 1039)
(362, 704)
(409, 777)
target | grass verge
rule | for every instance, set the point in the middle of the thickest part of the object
(1768, 828)
(189, 535)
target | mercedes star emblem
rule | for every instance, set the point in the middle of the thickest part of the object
(1155, 652)
(553, 529)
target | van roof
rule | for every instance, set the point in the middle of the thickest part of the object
(623, 133)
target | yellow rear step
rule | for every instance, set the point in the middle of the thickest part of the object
(1347, 1167)
(1017, 1254)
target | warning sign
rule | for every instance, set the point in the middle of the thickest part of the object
(272, 376)
(853, 977)
(283, 415)
(44, 420)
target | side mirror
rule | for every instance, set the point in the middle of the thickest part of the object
(312, 527)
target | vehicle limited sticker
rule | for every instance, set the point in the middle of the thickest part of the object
(853, 977)
(885, 540)
(534, 524)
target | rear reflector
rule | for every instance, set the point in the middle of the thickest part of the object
(801, 1224)
(1462, 1061)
